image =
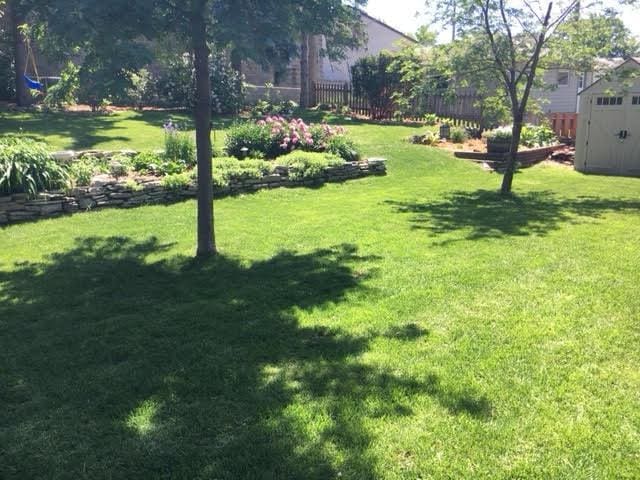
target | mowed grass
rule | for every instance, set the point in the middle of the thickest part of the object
(83, 130)
(400, 327)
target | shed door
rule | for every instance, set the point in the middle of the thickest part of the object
(605, 151)
(631, 160)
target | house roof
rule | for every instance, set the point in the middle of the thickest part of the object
(629, 60)
(380, 22)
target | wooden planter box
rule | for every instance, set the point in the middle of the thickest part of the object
(498, 146)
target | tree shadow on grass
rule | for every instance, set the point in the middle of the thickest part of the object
(487, 214)
(83, 129)
(115, 365)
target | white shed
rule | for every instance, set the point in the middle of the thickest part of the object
(608, 134)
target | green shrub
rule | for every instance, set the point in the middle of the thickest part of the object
(308, 165)
(175, 84)
(169, 167)
(458, 135)
(147, 162)
(530, 136)
(27, 167)
(65, 91)
(227, 84)
(502, 134)
(430, 138)
(179, 146)
(132, 185)
(176, 182)
(431, 119)
(228, 169)
(344, 148)
(81, 172)
(140, 92)
(253, 137)
(119, 166)
(546, 136)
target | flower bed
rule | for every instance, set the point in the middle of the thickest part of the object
(274, 136)
(106, 191)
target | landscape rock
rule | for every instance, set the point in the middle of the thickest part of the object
(105, 191)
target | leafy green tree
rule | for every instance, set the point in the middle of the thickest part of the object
(110, 34)
(15, 13)
(582, 41)
(512, 37)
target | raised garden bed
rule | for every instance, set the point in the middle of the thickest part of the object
(106, 191)
(497, 161)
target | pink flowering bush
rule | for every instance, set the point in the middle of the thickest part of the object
(274, 136)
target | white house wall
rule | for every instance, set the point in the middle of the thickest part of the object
(379, 38)
(558, 98)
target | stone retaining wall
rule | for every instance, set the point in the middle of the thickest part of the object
(108, 192)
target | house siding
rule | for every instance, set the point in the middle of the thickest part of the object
(558, 98)
(379, 37)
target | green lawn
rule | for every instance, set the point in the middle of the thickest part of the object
(82, 130)
(400, 327)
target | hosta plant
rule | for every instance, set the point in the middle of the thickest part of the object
(26, 166)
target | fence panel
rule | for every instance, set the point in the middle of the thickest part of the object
(564, 124)
(459, 110)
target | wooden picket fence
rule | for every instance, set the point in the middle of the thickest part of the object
(564, 124)
(460, 110)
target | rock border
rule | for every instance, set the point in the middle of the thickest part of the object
(106, 191)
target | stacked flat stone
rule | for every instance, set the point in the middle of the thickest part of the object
(105, 191)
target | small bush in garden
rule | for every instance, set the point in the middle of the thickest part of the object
(458, 135)
(147, 162)
(308, 165)
(228, 169)
(117, 169)
(65, 91)
(528, 136)
(502, 134)
(275, 136)
(344, 148)
(179, 146)
(27, 167)
(541, 135)
(132, 185)
(227, 84)
(81, 172)
(252, 137)
(430, 138)
(431, 119)
(176, 182)
(169, 167)
(536, 136)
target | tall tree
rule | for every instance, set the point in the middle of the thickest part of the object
(262, 30)
(16, 17)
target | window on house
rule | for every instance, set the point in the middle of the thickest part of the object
(635, 100)
(563, 79)
(581, 81)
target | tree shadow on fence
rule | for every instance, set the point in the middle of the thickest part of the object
(117, 366)
(487, 214)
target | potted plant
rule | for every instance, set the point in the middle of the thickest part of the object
(498, 140)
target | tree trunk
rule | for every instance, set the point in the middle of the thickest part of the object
(206, 236)
(304, 71)
(23, 94)
(507, 179)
